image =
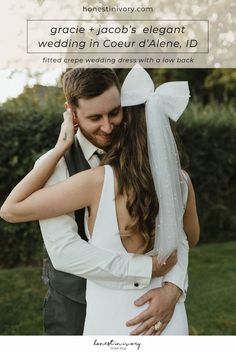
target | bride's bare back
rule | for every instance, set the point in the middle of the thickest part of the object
(133, 243)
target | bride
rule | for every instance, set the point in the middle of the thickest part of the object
(138, 200)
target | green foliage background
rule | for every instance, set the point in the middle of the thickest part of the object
(30, 124)
(29, 127)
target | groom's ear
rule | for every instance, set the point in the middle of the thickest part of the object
(74, 115)
(67, 105)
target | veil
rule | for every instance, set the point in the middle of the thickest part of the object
(169, 100)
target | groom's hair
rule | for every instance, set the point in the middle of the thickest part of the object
(87, 83)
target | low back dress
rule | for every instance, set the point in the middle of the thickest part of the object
(108, 309)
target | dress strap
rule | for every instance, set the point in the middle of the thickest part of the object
(184, 188)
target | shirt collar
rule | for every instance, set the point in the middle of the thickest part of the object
(87, 147)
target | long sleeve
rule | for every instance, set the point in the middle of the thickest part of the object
(70, 254)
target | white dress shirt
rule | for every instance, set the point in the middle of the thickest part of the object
(71, 254)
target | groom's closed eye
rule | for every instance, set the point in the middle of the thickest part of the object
(114, 112)
(111, 114)
(94, 118)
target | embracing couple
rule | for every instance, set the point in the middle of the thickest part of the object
(117, 232)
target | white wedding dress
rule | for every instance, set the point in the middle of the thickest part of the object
(108, 310)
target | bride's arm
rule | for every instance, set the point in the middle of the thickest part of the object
(190, 219)
(29, 201)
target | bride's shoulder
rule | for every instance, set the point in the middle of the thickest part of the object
(95, 175)
(88, 184)
(188, 182)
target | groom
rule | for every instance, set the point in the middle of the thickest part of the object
(94, 97)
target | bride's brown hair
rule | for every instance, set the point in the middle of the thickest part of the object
(128, 155)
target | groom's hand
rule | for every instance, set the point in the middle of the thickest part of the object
(160, 269)
(162, 303)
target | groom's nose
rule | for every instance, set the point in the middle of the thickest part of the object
(106, 126)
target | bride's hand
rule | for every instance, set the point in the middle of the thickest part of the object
(67, 133)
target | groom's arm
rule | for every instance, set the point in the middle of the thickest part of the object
(70, 254)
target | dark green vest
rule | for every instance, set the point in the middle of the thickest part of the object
(67, 284)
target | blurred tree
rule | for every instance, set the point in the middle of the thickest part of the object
(221, 83)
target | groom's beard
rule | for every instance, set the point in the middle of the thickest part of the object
(100, 139)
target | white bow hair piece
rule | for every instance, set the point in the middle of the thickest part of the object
(169, 100)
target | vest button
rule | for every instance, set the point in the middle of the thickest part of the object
(136, 284)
